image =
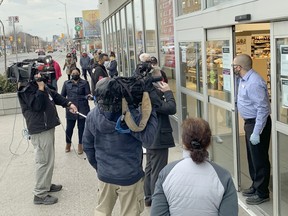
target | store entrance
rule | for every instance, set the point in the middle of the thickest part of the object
(254, 40)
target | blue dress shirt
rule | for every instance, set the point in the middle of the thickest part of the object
(253, 99)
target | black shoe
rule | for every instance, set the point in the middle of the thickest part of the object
(248, 192)
(47, 200)
(55, 188)
(148, 202)
(256, 200)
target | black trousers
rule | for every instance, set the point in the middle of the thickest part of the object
(70, 127)
(258, 157)
(156, 160)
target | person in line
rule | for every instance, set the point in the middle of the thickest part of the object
(38, 107)
(74, 55)
(195, 185)
(157, 151)
(112, 67)
(85, 64)
(78, 92)
(116, 157)
(254, 107)
(69, 63)
(154, 63)
(56, 67)
(100, 71)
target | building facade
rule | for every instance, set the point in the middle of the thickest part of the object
(195, 42)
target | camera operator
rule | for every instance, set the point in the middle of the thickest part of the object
(116, 156)
(38, 107)
(157, 150)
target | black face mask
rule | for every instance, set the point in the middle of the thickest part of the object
(75, 77)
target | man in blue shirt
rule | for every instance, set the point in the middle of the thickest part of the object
(254, 107)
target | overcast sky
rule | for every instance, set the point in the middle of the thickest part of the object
(41, 17)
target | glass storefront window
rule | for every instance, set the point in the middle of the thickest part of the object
(130, 32)
(188, 6)
(114, 47)
(118, 40)
(138, 28)
(150, 25)
(124, 56)
(221, 150)
(191, 107)
(191, 65)
(211, 3)
(166, 41)
(283, 172)
(282, 79)
(219, 72)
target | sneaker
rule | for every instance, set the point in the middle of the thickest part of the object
(256, 200)
(218, 139)
(47, 200)
(248, 192)
(55, 188)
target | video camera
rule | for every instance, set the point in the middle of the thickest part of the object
(26, 70)
(131, 88)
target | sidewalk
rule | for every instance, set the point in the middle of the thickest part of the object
(78, 196)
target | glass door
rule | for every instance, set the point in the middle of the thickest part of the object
(221, 107)
(279, 89)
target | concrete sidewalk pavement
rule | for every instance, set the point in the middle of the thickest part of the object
(79, 180)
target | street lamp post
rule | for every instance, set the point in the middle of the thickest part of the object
(68, 35)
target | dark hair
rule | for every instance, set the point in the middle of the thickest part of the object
(196, 137)
(112, 54)
(154, 60)
(75, 68)
(101, 56)
(68, 55)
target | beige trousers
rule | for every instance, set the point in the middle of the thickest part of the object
(131, 199)
(44, 158)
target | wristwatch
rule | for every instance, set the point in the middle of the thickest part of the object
(69, 104)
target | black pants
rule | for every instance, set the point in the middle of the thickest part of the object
(69, 129)
(156, 160)
(258, 157)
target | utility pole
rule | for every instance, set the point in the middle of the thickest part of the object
(13, 20)
(67, 27)
(4, 44)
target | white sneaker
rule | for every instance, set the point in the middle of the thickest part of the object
(218, 139)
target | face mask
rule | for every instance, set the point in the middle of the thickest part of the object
(75, 77)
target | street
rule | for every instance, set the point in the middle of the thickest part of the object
(58, 56)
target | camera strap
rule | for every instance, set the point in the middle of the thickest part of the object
(146, 109)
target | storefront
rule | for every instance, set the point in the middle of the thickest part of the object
(195, 42)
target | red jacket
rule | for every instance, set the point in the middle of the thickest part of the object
(57, 69)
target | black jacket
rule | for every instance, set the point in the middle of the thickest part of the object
(38, 107)
(77, 94)
(99, 73)
(164, 137)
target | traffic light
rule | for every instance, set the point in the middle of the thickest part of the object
(62, 35)
(11, 38)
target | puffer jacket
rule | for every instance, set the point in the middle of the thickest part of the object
(38, 107)
(117, 157)
(186, 188)
(77, 94)
(164, 137)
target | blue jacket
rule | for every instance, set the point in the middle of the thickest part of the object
(113, 68)
(116, 157)
(77, 94)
